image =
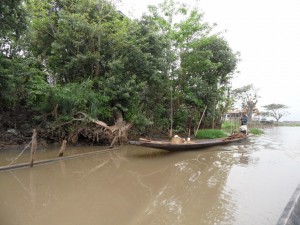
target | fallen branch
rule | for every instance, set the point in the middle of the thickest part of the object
(98, 122)
(20, 153)
(71, 130)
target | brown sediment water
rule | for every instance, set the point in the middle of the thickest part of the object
(242, 183)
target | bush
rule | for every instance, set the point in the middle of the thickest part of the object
(210, 134)
(70, 98)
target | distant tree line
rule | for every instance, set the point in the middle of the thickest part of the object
(61, 57)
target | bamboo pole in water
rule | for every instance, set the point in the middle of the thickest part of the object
(33, 146)
(22, 165)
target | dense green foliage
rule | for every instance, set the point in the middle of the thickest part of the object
(84, 55)
(13, 68)
(210, 134)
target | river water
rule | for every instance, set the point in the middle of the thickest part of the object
(247, 183)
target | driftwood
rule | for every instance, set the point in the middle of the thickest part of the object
(33, 146)
(98, 122)
(62, 148)
(117, 132)
(82, 125)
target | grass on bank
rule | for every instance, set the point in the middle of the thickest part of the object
(210, 134)
(226, 129)
(256, 131)
(229, 127)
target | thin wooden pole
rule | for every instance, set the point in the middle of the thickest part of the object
(33, 146)
(171, 112)
(113, 141)
(62, 148)
(200, 120)
(231, 125)
(22, 165)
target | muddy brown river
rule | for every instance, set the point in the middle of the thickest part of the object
(246, 183)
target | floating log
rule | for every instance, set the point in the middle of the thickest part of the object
(22, 165)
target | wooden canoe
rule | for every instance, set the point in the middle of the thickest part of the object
(192, 145)
(291, 212)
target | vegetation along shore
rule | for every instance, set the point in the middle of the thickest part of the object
(86, 73)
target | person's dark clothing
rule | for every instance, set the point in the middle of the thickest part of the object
(244, 120)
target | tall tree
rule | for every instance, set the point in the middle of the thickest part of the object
(247, 96)
(133, 63)
(12, 26)
(202, 66)
(207, 68)
(74, 38)
(84, 55)
(149, 59)
(277, 111)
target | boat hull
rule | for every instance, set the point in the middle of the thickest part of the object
(193, 145)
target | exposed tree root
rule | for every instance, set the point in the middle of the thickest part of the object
(93, 130)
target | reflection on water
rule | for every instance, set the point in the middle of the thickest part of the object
(243, 183)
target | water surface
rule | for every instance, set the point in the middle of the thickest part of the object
(244, 183)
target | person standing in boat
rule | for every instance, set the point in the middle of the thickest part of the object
(244, 119)
(244, 122)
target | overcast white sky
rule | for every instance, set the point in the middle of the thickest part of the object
(266, 33)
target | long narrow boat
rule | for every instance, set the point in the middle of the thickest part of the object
(192, 145)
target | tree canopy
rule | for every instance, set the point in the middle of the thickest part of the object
(248, 97)
(158, 72)
(277, 111)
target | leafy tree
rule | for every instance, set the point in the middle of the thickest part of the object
(126, 60)
(207, 68)
(12, 26)
(202, 66)
(148, 60)
(84, 55)
(12, 22)
(248, 97)
(75, 38)
(277, 111)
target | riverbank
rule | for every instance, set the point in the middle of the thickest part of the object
(19, 137)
